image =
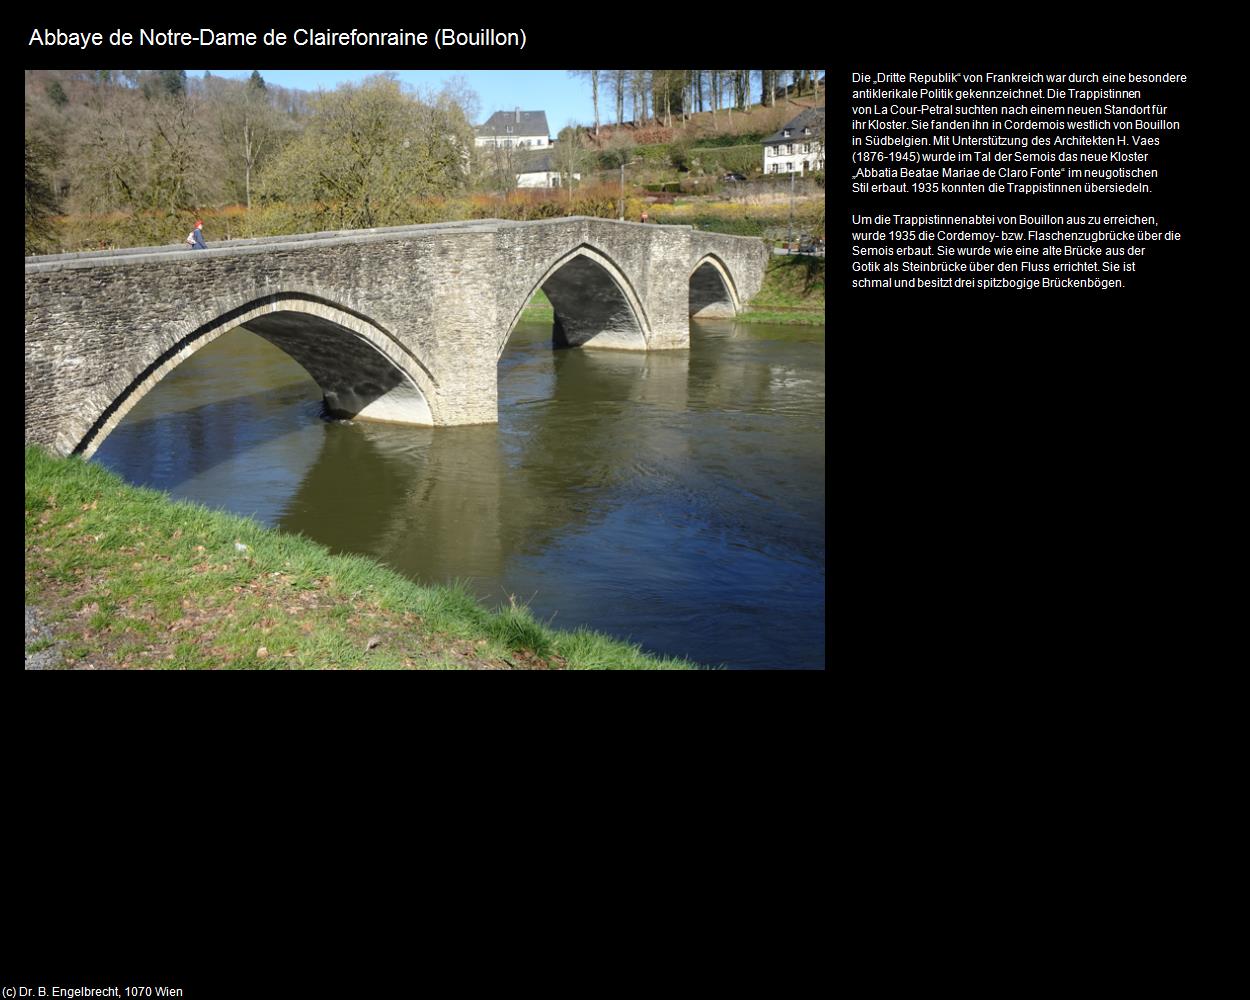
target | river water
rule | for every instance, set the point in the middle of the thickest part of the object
(675, 499)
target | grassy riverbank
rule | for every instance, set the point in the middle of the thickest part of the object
(793, 292)
(130, 578)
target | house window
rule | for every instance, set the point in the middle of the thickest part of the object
(785, 134)
(769, 151)
(509, 130)
(772, 168)
(790, 149)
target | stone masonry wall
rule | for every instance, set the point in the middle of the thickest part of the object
(437, 301)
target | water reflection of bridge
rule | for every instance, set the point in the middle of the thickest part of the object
(463, 502)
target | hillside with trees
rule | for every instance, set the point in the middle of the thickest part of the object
(132, 157)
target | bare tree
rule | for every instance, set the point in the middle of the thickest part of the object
(176, 150)
(249, 125)
(619, 153)
(728, 79)
(569, 156)
(768, 87)
(144, 152)
(638, 87)
(593, 76)
(40, 197)
(456, 93)
(108, 152)
(618, 82)
(503, 167)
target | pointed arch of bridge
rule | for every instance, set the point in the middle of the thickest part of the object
(712, 289)
(362, 369)
(595, 303)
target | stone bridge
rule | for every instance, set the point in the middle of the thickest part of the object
(403, 325)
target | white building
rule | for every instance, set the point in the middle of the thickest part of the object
(538, 171)
(527, 129)
(799, 146)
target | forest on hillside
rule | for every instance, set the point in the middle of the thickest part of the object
(130, 157)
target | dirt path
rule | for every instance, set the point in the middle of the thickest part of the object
(39, 634)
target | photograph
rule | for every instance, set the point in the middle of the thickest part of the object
(423, 368)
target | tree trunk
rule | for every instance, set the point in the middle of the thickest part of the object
(247, 163)
(594, 96)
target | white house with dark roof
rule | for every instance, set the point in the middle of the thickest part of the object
(527, 129)
(798, 146)
(538, 170)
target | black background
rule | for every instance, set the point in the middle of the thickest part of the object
(993, 459)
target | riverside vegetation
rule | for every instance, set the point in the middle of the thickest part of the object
(129, 578)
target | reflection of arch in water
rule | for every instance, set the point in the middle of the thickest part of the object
(426, 501)
(712, 291)
(361, 368)
(594, 303)
(655, 378)
(168, 448)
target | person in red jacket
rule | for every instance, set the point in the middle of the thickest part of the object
(196, 238)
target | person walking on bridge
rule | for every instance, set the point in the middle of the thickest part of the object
(195, 238)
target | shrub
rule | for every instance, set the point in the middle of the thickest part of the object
(729, 159)
(716, 141)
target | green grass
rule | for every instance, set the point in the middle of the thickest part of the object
(793, 292)
(539, 309)
(132, 578)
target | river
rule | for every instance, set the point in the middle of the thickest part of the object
(675, 499)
